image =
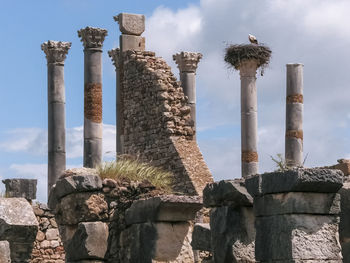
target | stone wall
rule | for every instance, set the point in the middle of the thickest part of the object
(48, 247)
(107, 220)
(157, 121)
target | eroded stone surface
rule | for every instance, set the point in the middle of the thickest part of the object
(232, 234)
(81, 207)
(302, 237)
(317, 180)
(297, 203)
(5, 252)
(25, 188)
(131, 24)
(169, 208)
(88, 242)
(227, 193)
(151, 240)
(201, 237)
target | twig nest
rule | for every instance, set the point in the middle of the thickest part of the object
(236, 54)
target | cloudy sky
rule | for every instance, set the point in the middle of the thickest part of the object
(313, 32)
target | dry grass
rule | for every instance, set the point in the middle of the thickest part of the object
(235, 54)
(135, 170)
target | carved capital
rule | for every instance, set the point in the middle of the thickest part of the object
(92, 37)
(56, 51)
(114, 54)
(187, 61)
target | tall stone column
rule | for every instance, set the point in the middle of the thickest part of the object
(131, 26)
(92, 39)
(294, 116)
(56, 52)
(187, 63)
(249, 117)
(114, 54)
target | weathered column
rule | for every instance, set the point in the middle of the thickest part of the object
(187, 63)
(114, 54)
(249, 117)
(92, 39)
(294, 116)
(131, 26)
(56, 52)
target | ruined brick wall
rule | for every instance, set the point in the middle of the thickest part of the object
(157, 123)
(48, 247)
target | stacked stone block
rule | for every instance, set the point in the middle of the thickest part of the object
(48, 247)
(159, 229)
(102, 221)
(231, 221)
(297, 215)
(18, 229)
(157, 121)
(25, 188)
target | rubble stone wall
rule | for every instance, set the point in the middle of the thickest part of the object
(48, 247)
(157, 121)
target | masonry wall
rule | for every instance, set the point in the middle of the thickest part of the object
(157, 122)
(48, 247)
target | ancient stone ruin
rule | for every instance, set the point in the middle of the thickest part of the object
(294, 214)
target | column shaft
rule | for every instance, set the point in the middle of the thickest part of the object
(294, 116)
(92, 107)
(92, 39)
(188, 83)
(56, 53)
(249, 118)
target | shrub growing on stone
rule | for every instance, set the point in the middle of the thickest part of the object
(135, 170)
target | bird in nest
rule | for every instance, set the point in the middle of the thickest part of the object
(252, 39)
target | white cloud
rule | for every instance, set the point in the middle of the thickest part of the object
(34, 141)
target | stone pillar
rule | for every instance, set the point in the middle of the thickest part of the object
(297, 215)
(294, 116)
(115, 56)
(92, 39)
(249, 118)
(131, 26)
(187, 63)
(56, 52)
(231, 221)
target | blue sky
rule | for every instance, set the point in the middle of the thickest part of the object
(312, 32)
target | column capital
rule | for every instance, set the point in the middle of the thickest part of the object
(56, 51)
(130, 24)
(92, 37)
(247, 68)
(114, 54)
(187, 61)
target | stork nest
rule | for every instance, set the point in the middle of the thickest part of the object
(236, 54)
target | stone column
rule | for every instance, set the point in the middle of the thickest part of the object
(56, 52)
(115, 56)
(131, 26)
(187, 63)
(294, 116)
(92, 39)
(249, 118)
(297, 215)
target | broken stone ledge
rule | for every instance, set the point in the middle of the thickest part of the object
(316, 180)
(165, 208)
(226, 193)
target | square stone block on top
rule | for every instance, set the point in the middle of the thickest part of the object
(165, 208)
(226, 193)
(25, 188)
(316, 180)
(131, 24)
